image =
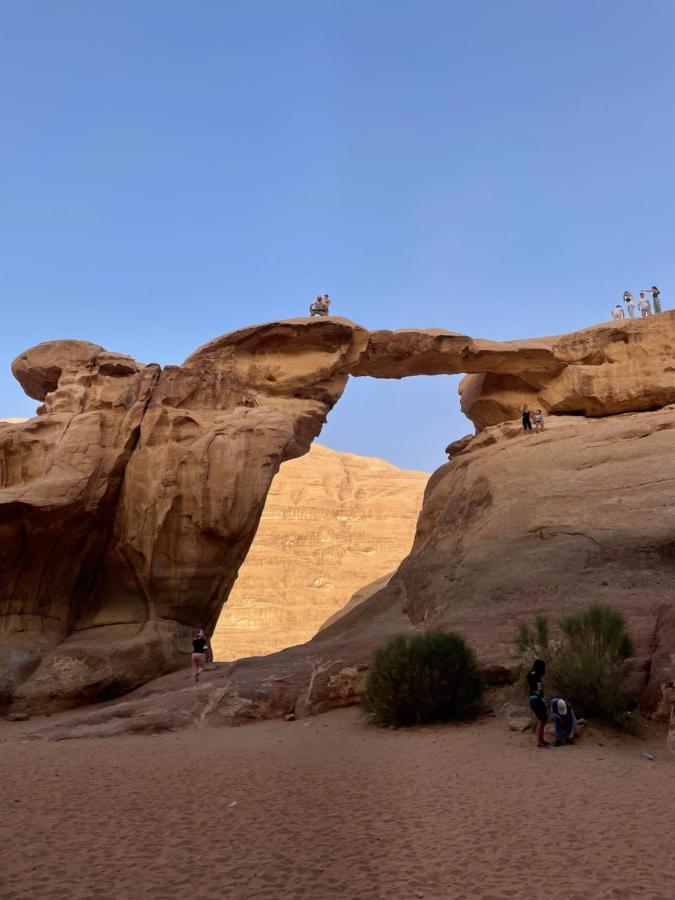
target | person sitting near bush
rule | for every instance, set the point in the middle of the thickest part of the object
(537, 703)
(564, 720)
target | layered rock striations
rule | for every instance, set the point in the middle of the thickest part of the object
(332, 522)
(128, 505)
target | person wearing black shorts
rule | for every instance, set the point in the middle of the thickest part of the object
(535, 685)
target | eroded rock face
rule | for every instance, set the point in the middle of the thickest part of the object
(128, 505)
(606, 370)
(332, 521)
(60, 478)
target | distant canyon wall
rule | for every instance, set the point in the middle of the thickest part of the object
(332, 523)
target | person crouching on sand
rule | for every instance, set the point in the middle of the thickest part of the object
(564, 720)
(535, 682)
(199, 647)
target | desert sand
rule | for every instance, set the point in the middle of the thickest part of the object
(331, 807)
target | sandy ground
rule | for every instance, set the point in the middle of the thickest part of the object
(329, 807)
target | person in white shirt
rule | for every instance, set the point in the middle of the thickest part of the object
(617, 312)
(630, 303)
(645, 306)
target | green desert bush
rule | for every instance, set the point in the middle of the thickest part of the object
(430, 677)
(586, 666)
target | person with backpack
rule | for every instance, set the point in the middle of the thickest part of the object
(564, 720)
(630, 303)
(535, 683)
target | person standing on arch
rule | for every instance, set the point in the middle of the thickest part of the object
(645, 306)
(617, 313)
(630, 303)
(656, 297)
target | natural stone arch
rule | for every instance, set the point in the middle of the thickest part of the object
(130, 502)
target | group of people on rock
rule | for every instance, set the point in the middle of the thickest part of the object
(321, 306)
(564, 720)
(646, 307)
(529, 417)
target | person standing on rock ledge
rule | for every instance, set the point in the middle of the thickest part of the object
(656, 297)
(645, 306)
(199, 648)
(630, 303)
(617, 312)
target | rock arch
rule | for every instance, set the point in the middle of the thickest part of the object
(129, 503)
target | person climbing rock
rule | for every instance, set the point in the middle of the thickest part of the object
(617, 312)
(527, 422)
(630, 303)
(535, 682)
(645, 306)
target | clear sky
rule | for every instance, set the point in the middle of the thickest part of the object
(175, 169)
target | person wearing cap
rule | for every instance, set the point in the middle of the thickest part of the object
(564, 720)
(535, 683)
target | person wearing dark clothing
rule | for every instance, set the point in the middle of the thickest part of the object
(656, 299)
(199, 648)
(535, 685)
(564, 720)
(527, 422)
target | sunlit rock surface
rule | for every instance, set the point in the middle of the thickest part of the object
(332, 522)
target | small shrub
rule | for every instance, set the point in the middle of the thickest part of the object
(431, 677)
(587, 666)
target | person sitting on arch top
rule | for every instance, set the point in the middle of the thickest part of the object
(321, 306)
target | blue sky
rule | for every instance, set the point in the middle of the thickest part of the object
(175, 169)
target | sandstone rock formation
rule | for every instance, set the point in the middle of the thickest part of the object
(609, 369)
(129, 504)
(332, 521)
